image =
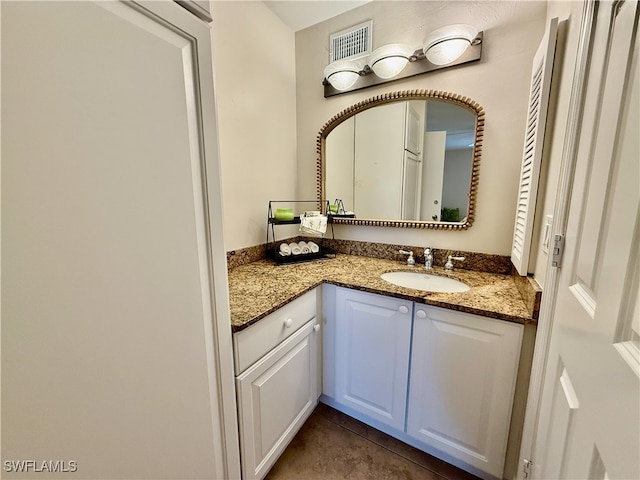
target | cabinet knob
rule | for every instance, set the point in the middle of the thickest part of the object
(403, 309)
(288, 322)
(421, 314)
(316, 327)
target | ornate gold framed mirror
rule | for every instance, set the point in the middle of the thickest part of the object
(405, 159)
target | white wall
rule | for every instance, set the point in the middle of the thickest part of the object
(254, 69)
(457, 177)
(340, 169)
(569, 15)
(499, 83)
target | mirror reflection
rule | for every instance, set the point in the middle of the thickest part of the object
(408, 160)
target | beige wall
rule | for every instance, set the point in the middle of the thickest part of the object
(254, 69)
(569, 16)
(512, 32)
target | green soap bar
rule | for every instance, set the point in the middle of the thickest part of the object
(284, 214)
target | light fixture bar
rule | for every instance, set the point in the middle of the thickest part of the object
(418, 65)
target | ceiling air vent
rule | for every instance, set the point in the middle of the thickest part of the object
(354, 42)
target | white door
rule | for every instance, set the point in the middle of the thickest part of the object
(411, 179)
(113, 269)
(432, 175)
(379, 147)
(373, 335)
(588, 424)
(414, 126)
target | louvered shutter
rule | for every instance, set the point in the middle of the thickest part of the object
(532, 152)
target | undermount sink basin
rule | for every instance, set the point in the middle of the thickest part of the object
(425, 281)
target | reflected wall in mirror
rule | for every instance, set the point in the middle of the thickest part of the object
(407, 159)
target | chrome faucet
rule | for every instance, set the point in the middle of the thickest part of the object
(428, 259)
(410, 261)
(449, 264)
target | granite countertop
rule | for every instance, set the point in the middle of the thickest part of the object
(260, 288)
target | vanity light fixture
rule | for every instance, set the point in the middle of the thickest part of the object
(389, 60)
(445, 47)
(447, 44)
(342, 74)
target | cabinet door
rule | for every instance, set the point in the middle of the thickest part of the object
(373, 335)
(275, 397)
(463, 374)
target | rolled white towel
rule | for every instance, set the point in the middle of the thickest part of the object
(313, 247)
(295, 249)
(304, 248)
(285, 249)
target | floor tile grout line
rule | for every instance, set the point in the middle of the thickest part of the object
(439, 475)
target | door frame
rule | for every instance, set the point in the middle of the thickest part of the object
(560, 215)
(218, 335)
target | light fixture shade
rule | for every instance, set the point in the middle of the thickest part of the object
(389, 60)
(342, 74)
(446, 44)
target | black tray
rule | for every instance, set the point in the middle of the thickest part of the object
(325, 252)
(284, 222)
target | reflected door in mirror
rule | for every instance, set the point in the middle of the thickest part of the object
(434, 154)
(373, 161)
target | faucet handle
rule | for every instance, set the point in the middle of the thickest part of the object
(449, 264)
(410, 260)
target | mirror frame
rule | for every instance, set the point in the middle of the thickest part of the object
(392, 97)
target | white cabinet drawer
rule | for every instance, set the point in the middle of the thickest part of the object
(255, 341)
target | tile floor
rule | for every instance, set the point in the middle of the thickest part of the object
(334, 446)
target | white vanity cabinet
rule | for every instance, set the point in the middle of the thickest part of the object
(372, 336)
(277, 365)
(440, 380)
(461, 386)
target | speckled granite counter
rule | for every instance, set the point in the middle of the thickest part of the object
(261, 287)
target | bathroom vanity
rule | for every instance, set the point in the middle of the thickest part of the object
(277, 363)
(440, 380)
(435, 370)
